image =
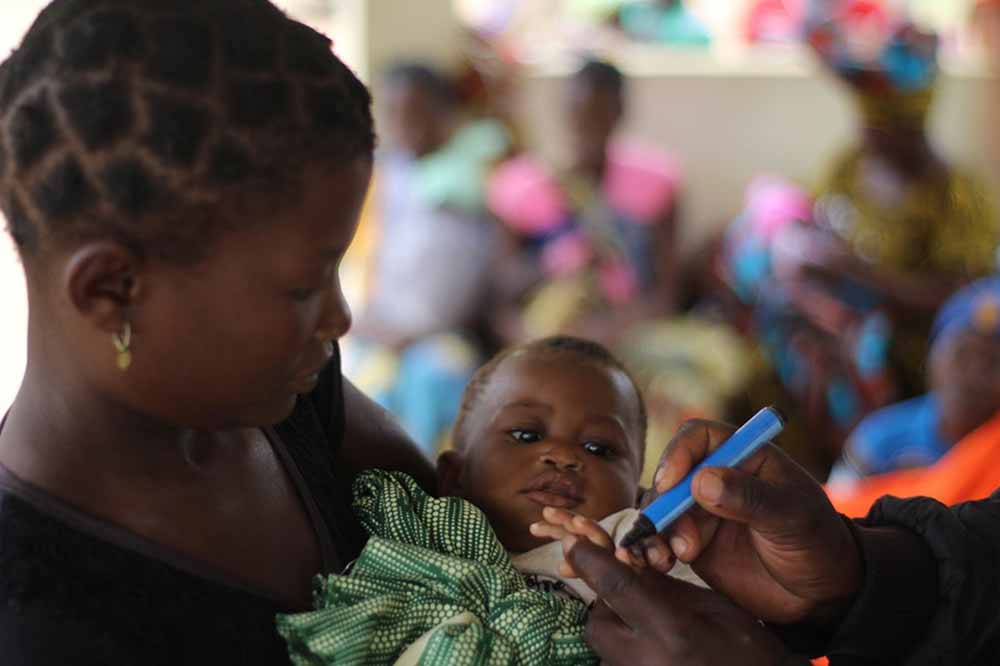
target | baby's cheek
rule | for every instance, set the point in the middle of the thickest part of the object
(617, 492)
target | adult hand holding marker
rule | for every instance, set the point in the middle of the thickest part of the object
(763, 535)
(675, 502)
(763, 532)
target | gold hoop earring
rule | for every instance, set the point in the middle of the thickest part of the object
(123, 343)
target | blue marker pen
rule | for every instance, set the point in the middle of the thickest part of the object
(669, 506)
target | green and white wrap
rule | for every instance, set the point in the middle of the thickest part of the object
(433, 586)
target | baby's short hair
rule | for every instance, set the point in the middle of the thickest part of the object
(556, 345)
(139, 120)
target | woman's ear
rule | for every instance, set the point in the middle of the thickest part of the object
(102, 282)
(449, 473)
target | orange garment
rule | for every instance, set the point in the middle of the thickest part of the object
(969, 471)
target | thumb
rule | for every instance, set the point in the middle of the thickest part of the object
(744, 498)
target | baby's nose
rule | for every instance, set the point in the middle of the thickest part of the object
(563, 459)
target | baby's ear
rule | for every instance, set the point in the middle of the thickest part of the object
(449, 473)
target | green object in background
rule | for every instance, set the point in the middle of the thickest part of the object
(595, 10)
(671, 24)
(433, 587)
(455, 176)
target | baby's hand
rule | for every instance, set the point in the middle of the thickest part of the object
(560, 523)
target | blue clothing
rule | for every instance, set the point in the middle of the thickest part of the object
(974, 308)
(900, 436)
(421, 386)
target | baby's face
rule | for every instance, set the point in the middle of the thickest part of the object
(551, 431)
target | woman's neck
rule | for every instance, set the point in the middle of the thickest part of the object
(919, 165)
(67, 438)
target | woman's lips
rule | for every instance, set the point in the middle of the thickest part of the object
(306, 382)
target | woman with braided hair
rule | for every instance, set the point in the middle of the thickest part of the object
(181, 179)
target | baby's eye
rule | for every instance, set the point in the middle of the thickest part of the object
(597, 449)
(524, 436)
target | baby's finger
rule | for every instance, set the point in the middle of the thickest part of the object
(624, 555)
(579, 525)
(657, 554)
(630, 559)
(558, 516)
(638, 561)
(546, 530)
(585, 527)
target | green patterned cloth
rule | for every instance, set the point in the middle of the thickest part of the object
(433, 586)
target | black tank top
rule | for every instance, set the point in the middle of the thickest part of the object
(77, 590)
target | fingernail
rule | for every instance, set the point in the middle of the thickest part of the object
(711, 487)
(533, 527)
(658, 479)
(656, 556)
(678, 545)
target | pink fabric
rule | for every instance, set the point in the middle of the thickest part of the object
(773, 204)
(567, 254)
(641, 183)
(525, 197)
(775, 20)
(619, 283)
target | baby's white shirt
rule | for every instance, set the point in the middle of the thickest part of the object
(540, 566)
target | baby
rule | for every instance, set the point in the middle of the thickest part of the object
(549, 442)
(550, 439)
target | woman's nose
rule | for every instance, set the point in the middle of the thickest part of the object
(336, 320)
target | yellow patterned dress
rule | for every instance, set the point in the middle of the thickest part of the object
(946, 227)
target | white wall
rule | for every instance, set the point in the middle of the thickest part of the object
(401, 29)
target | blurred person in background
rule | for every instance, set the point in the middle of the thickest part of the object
(591, 244)
(843, 284)
(590, 250)
(965, 397)
(416, 338)
(892, 215)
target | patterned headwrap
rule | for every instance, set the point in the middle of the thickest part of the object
(974, 308)
(892, 66)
